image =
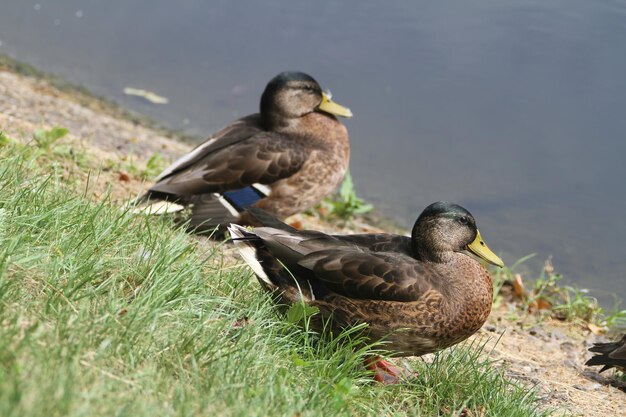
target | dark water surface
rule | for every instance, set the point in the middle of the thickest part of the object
(514, 109)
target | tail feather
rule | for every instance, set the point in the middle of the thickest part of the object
(209, 211)
(158, 207)
(606, 361)
(609, 354)
(247, 247)
(154, 204)
(268, 220)
(604, 348)
(274, 276)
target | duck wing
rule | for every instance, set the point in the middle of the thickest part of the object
(348, 269)
(380, 242)
(377, 242)
(263, 158)
(235, 132)
(364, 274)
(266, 219)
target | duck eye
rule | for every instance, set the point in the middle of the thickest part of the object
(463, 220)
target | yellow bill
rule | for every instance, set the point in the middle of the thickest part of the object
(329, 106)
(480, 249)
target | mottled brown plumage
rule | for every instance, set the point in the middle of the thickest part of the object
(294, 148)
(611, 355)
(420, 293)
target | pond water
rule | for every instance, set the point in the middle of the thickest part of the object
(513, 109)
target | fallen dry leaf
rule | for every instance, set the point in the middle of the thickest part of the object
(145, 94)
(518, 286)
(241, 323)
(597, 330)
(296, 224)
(323, 211)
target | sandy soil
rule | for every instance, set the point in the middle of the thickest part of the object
(549, 355)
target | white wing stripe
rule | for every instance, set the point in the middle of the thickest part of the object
(226, 204)
(184, 159)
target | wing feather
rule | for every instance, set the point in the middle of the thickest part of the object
(349, 267)
(371, 275)
(237, 131)
(263, 158)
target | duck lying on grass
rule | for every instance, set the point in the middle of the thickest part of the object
(420, 294)
(611, 355)
(285, 159)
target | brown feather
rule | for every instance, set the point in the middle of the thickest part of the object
(611, 355)
(257, 159)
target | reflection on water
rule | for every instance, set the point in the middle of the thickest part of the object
(513, 109)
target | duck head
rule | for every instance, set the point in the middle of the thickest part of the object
(444, 228)
(291, 95)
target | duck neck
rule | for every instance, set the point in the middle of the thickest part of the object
(425, 247)
(273, 121)
(428, 255)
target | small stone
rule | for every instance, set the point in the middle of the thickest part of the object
(570, 363)
(490, 328)
(537, 331)
(561, 396)
(588, 387)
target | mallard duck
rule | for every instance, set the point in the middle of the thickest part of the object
(611, 355)
(420, 293)
(284, 160)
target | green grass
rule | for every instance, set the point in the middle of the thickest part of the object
(154, 166)
(345, 204)
(563, 302)
(103, 313)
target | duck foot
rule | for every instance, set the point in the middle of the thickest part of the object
(386, 372)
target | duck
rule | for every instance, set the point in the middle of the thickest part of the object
(611, 355)
(284, 160)
(419, 294)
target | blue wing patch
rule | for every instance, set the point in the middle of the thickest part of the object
(243, 198)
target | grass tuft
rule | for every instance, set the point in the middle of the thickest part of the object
(547, 296)
(345, 204)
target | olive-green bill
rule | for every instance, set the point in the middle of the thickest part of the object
(479, 248)
(329, 106)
